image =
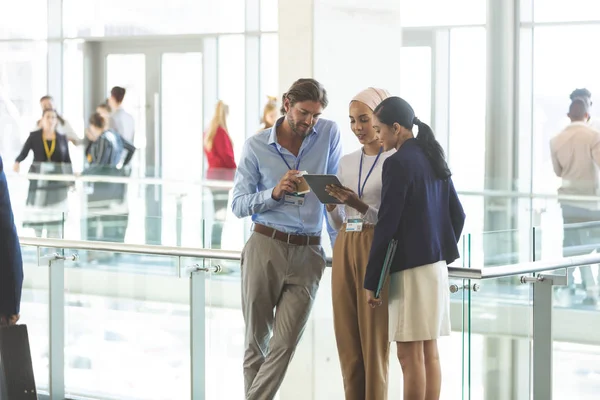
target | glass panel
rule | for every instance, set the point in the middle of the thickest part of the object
(576, 353)
(232, 80)
(140, 320)
(561, 11)
(35, 313)
(269, 20)
(467, 103)
(415, 80)
(224, 330)
(84, 18)
(181, 108)
(456, 12)
(554, 80)
(23, 68)
(26, 19)
(500, 334)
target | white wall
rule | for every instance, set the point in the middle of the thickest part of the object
(345, 44)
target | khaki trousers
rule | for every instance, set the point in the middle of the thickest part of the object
(283, 278)
(361, 332)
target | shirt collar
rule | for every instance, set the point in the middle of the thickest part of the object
(273, 134)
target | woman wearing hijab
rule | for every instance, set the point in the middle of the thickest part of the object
(361, 333)
(420, 212)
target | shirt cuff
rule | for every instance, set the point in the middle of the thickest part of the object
(370, 216)
(268, 200)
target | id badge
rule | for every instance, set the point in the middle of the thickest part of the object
(354, 225)
(294, 200)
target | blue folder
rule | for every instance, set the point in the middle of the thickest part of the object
(387, 264)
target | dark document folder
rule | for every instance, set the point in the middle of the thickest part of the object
(387, 264)
(16, 369)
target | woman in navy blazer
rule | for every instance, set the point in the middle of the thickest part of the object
(11, 263)
(420, 209)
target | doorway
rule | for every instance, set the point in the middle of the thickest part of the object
(164, 83)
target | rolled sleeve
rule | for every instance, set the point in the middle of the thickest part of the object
(247, 199)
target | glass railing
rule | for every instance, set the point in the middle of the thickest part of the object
(133, 321)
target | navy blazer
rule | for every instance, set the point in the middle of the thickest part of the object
(418, 209)
(11, 262)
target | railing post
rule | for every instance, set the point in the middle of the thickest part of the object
(543, 289)
(56, 325)
(198, 334)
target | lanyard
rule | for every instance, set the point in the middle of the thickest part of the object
(49, 151)
(286, 163)
(361, 189)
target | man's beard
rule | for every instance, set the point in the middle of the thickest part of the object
(295, 128)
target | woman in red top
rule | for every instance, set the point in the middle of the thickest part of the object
(218, 147)
(221, 165)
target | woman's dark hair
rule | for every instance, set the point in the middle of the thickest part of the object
(305, 90)
(98, 121)
(118, 93)
(395, 110)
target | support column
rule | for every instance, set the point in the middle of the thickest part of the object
(500, 113)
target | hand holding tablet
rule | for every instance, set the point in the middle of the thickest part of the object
(318, 185)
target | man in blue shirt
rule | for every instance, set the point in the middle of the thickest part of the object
(283, 261)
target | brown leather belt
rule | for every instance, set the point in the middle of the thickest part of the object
(289, 238)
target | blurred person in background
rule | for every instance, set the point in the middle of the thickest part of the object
(11, 266)
(270, 114)
(47, 199)
(63, 126)
(121, 122)
(108, 213)
(575, 154)
(221, 165)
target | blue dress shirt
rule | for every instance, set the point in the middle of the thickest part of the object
(261, 168)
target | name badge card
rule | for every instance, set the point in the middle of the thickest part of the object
(294, 200)
(354, 225)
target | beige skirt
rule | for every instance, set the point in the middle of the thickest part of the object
(419, 303)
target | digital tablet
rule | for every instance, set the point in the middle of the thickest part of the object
(318, 183)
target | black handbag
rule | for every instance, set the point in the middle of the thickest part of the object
(16, 369)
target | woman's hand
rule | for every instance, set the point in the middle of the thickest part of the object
(17, 167)
(348, 197)
(373, 302)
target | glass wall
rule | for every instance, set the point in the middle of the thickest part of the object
(175, 61)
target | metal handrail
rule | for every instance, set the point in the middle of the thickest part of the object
(222, 184)
(235, 255)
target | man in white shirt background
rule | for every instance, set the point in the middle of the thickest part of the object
(575, 156)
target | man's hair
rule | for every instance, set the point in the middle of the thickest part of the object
(118, 93)
(305, 90)
(46, 97)
(582, 93)
(578, 110)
